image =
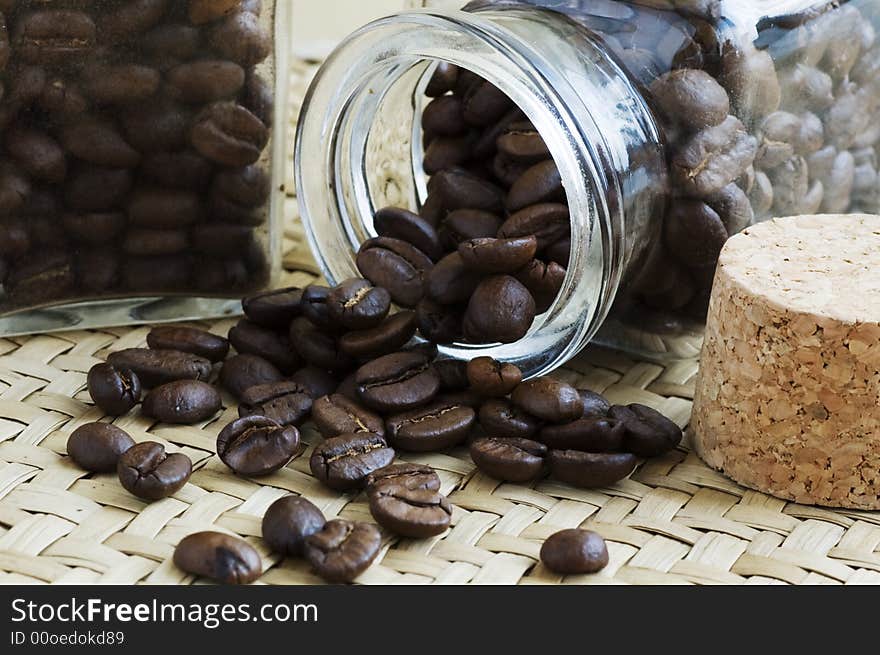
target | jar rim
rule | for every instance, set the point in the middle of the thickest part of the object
(352, 83)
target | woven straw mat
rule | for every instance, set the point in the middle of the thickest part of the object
(673, 521)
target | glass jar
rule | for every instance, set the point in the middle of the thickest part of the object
(138, 159)
(673, 124)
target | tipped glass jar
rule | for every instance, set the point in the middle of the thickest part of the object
(138, 160)
(666, 127)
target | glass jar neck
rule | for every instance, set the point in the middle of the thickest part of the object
(359, 144)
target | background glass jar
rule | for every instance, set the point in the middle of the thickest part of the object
(673, 125)
(137, 159)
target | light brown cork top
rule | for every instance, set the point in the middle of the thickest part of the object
(788, 396)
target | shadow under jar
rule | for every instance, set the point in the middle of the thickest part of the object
(137, 160)
(671, 124)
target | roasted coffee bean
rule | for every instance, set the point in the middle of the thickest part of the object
(484, 104)
(648, 432)
(273, 309)
(437, 426)
(691, 98)
(444, 117)
(98, 270)
(442, 80)
(256, 445)
(313, 305)
(547, 222)
(590, 470)
(509, 458)
(157, 367)
(539, 184)
(358, 305)
(96, 188)
(163, 208)
(438, 323)
(114, 389)
(387, 337)
(288, 522)
(733, 208)
(406, 475)
(204, 81)
(182, 401)
(342, 550)
(461, 189)
(156, 127)
(544, 281)
(229, 135)
(592, 435)
(414, 513)
(560, 251)
(160, 273)
(208, 11)
(344, 462)
(451, 281)
(44, 277)
(713, 158)
(452, 374)
(337, 414)
(501, 418)
(240, 38)
(54, 36)
(549, 399)
(498, 255)
(37, 153)
(572, 552)
(315, 381)
(96, 447)
(501, 309)
(147, 242)
(285, 402)
(317, 347)
(521, 142)
(396, 266)
(218, 556)
(491, 378)
(693, 233)
(396, 223)
(119, 84)
(184, 170)
(464, 224)
(595, 405)
(445, 152)
(241, 372)
(148, 472)
(188, 340)
(95, 227)
(397, 382)
(251, 339)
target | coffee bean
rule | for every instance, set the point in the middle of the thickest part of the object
(188, 340)
(438, 323)
(317, 347)
(498, 255)
(451, 281)
(240, 38)
(37, 153)
(713, 158)
(273, 309)
(358, 305)
(406, 475)
(414, 513)
(396, 266)
(241, 372)
(396, 223)
(571, 552)
(445, 152)
(96, 188)
(590, 470)
(315, 381)
(592, 435)
(484, 104)
(501, 309)
(452, 374)
(229, 134)
(157, 367)
(436, 426)
(96, 447)
(183, 401)
(559, 252)
(203, 81)
(521, 142)
(693, 233)
(464, 224)
(256, 445)
(160, 126)
(444, 116)
(147, 471)
(218, 556)
(251, 339)
(648, 432)
(313, 305)
(149, 242)
(342, 550)
(513, 459)
(547, 222)
(387, 337)
(540, 183)
(549, 399)
(491, 378)
(114, 389)
(119, 84)
(208, 11)
(691, 98)
(285, 402)
(184, 170)
(94, 227)
(595, 405)
(337, 414)
(442, 80)
(344, 462)
(397, 382)
(460, 189)
(288, 522)
(54, 36)
(501, 418)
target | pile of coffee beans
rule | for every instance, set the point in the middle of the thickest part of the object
(134, 138)
(339, 358)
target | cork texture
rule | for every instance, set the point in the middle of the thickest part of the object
(788, 396)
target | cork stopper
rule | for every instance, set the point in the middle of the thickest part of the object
(788, 396)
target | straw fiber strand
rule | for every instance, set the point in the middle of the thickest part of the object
(674, 521)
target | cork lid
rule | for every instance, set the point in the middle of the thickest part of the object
(827, 265)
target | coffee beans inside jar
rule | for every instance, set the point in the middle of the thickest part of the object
(135, 150)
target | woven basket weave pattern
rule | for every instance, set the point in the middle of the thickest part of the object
(674, 521)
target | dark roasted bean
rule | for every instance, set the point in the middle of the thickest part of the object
(451, 281)
(491, 378)
(405, 474)
(344, 462)
(595, 405)
(96, 447)
(273, 309)
(313, 305)
(396, 266)
(387, 337)
(156, 367)
(547, 222)
(358, 305)
(315, 381)
(442, 80)
(285, 402)
(439, 323)
(437, 426)
(337, 414)
(182, 401)
(509, 458)
(114, 389)
(501, 418)
(342, 550)
(148, 472)
(251, 339)
(218, 556)
(288, 522)
(571, 552)
(544, 281)
(401, 224)
(188, 340)
(452, 374)
(415, 513)
(317, 347)
(589, 470)
(397, 382)
(256, 445)
(592, 435)
(229, 134)
(648, 432)
(498, 255)
(540, 183)
(549, 399)
(464, 224)
(501, 309)
(241, 372)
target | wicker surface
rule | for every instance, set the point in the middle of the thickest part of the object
(675, 521)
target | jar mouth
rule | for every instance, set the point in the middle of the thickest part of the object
(360, 128)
